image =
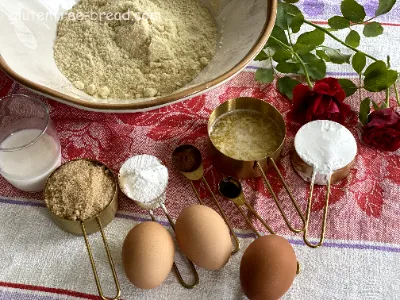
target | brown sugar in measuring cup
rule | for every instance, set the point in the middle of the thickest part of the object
(77, 218)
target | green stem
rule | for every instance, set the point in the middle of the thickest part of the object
(303, 66)
(387, 91)
(359, 89)
(290, 36)
(362, 23)
(339, 40)
(272, 63)
(397, 93)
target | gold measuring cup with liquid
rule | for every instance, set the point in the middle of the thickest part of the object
(243, 169)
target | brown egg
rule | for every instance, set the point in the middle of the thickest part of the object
(203, 237)
(268, 268)
(147, 255)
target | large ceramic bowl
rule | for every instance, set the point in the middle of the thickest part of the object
(28, 30)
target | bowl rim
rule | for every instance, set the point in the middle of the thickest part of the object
(157, 102)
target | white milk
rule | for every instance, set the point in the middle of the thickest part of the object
(28, 169)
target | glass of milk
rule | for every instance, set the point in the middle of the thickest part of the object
(29, 146)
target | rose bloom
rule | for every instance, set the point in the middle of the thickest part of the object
(324, 102)
(383, 130)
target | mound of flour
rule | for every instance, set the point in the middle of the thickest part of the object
(133, 49)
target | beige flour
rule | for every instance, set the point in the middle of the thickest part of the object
(145, 48)
(79, 190)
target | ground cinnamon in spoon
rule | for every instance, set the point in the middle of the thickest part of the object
(186, 158)
(79, 190)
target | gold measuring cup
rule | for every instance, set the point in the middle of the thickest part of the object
(92, 225)
(157, 203)
(307, 173)
(251, 169)
(195, 172)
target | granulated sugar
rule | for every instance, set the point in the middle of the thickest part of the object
(134, 49)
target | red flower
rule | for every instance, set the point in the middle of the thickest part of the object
(383, 130)
(324, 102)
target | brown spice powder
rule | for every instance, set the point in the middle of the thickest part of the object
(79, 190)
(186, 158)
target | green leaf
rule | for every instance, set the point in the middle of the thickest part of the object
(336, 56)
(375, 105)
(286, 86)
(261, 56)
(365, 108)
(315, 66)
(388, 61)
(353, 39)
(321, 54)
(281, 18)
(384, 7)
(359, 61)
(378, 77)
(280, 35)
(348, 86)
(296, 23)
(337, 22)
(288, 68)
(285, 15)
(282, 55)
(265, 75)
(291, 1)
(309, 41)
(372, 29)
(352, 11)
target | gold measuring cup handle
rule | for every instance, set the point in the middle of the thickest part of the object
(324, 218)
(192, 267)
(110, 260)
(276, 198)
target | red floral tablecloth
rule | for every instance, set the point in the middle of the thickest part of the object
(359, 259)
(363, 206)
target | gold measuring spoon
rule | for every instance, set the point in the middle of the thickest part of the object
(231, 189)
(188, 160)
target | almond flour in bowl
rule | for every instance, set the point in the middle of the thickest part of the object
(134, 49)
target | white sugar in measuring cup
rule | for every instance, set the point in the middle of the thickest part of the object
(324, 153)
(144, 179)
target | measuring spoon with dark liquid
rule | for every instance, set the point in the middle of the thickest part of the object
(188, 160)
(231, 189)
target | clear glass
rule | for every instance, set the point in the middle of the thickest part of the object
(29, 146)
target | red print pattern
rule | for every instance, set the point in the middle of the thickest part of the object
(367, 200)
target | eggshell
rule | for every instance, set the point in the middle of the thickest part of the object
(268, 268)
(203, 237)
(147, 255)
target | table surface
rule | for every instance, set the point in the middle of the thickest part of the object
(359, 260)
